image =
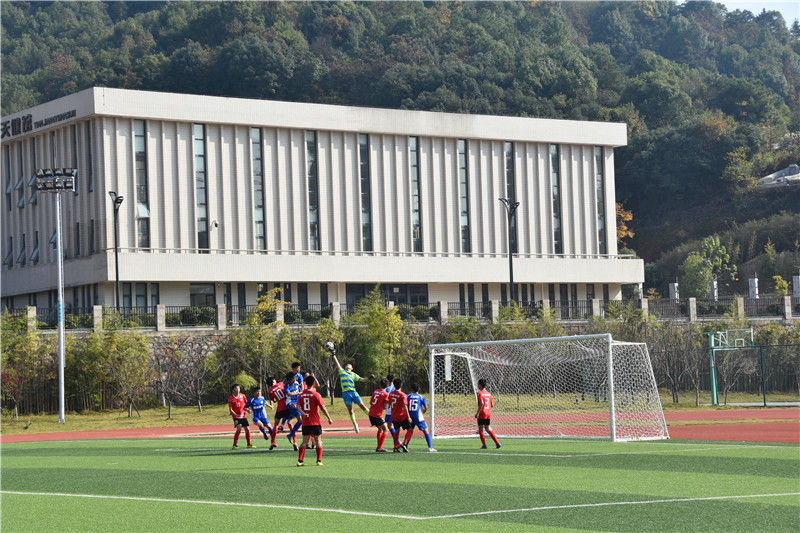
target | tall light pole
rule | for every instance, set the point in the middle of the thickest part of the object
(511, 209)
(117, 201)
(58, 180)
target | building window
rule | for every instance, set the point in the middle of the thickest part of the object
(20, 188)
(32, 182)
(201, 186)
(366, 192)
(302, 296)
(142, 204)
(599, 179)
(416, 200)
(258, 188)
(77, 239)
(22, 258)
(89, 163)
(606, 296)
(9, 259)
(590, 291)
(126, 295)
(242, 294)
(92, 238)
(323, 294)
(555, 180)
(35, 253)
(313, 190)
(7, 157)
(202, 295)
(74, 131)
(463, 194)
(511, 193)
(155, 295)
(34, 191)
(141, 295)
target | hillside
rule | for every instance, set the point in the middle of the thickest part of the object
(709, 96)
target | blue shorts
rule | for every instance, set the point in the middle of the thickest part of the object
(351, 397)
(294, 413)
(421, 424)
(388, 418)
(263, 419)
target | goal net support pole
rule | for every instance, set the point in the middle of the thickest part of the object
(578, 386)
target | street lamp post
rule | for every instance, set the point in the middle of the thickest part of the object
(511, 209)
(58, 180)
(117, 201)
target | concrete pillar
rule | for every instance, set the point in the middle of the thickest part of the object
(740, 306)
(97, 317)
(336, 313)
(787, 307)
(753, 285)
(644, 306)
(222, 317)
(596, 309)
(692, 309)
(674, 293)
(161, 317)
(494, 314)
(32, 322)
(279, 312)
(442, 312)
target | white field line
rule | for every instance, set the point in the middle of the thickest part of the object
(406, 517)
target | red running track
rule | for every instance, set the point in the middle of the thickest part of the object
(749, 425)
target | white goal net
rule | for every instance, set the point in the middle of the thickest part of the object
(549, 387)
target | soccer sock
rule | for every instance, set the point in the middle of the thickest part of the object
(319, 452)
(273, 434)
(301, 454)
(409, 433)
(353, 418)
(236, 437)
(396, 439)
(483, 437)
(428, 440)
(491, 434)
(247, 437)
(391, 428)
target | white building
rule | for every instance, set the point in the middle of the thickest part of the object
(226, 197)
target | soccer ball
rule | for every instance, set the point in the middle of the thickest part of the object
(329, 347)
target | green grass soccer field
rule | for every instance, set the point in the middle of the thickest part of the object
(200, 484)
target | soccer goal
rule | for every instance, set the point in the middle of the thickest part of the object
(548, 387)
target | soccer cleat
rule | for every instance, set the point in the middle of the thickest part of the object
(266, 437)
(483, 447)
(381, 450)
(404, 448)
(234, 447)
(432, 449)
(396, 449)
(498, 444)
(272, 446)
(319, 463)
(250, 446)
(280, 429)
(292, 442)
(299, 463)
(355, 427)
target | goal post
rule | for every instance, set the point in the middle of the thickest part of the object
(579, 386)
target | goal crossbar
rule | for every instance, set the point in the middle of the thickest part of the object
(576, 386)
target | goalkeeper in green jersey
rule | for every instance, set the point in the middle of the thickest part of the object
(349, 394)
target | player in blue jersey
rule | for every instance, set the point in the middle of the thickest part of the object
(258, 405)
(293, 390)
(417, 407)
(388, 417)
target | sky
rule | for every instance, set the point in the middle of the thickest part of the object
(790, 9)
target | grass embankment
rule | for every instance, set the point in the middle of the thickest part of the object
(218, 414)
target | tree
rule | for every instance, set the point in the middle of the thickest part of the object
(126, 362)
(377, 344)
(22, 354)
(697, 277)
(623, 217)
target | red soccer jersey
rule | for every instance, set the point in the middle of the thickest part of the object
(397, 399)
(377, 404)
(237, 403)
(309, 401)
(485, 403)
(278, 395)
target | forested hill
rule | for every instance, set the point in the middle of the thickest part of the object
(708, 95)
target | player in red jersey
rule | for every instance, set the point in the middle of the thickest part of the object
(236, 406)
(377, 406)
(309, 403)
(277, 394)
(399, 409)
(484, 414)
